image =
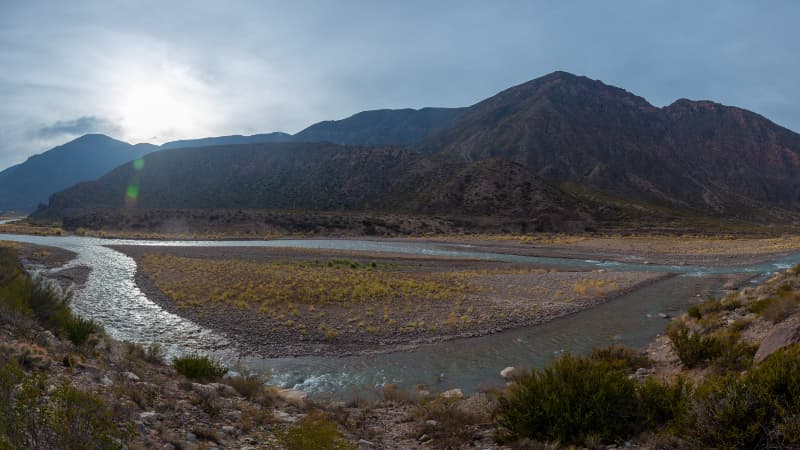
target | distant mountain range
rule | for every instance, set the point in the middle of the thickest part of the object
(26, 185)
(561, 147)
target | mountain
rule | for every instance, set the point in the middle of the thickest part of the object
(228, 140)
(321, 177)
(381, 127)
(24, 186)
(701, 155)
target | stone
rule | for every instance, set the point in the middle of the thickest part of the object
(204, 389)
(88, 368)
(293, 397)
(149, 417)
(424, 438)
(510, 372)
(365, 444)
(779, 338)
(191, 437)
(228, 429)
(432, 423)
(452, 393)
(663, 315)
(105, 381)
(130, 376)
(224, 390)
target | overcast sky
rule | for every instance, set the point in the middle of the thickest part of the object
(163, 70)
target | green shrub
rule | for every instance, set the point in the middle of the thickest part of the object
(733, 353)
(79, 329)
(201, 368)
(693, 349)
(64, 418)
(621, 357)
(694, 312)
(759, 306)
(779, 309)
(49, 306)
(570, 401)
(661, 403)
(758, 410)
(314, 432)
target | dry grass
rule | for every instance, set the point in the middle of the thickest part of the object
(330, 299)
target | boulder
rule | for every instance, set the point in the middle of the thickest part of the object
(509, 373)
(452, 393)
(224, 390)
(131, 376)
(293, 397)
(779, 338)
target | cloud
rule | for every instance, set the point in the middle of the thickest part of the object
(152, 70)
(79, 126)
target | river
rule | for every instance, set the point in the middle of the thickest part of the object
(111, 297)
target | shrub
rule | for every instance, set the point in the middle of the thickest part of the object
(66, 418)
(79, 329)
(693, 349)
(569, 401)
(694, 312)
(248, 386)
(661, 403)
(201, 368)
(454, 425)
(757, 410)
(314, 432)
(621, 357)
(779, 309)
(734, 354)
(49, 306)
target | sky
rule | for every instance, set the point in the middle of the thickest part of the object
(156, 71)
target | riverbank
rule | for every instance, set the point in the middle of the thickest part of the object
(100, 393)
(414, 301)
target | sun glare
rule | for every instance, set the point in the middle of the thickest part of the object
(163, 106)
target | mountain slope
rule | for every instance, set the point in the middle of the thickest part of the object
(380, 127)
(321, 177)
(24, 186)
(567, 128)
(228, 140)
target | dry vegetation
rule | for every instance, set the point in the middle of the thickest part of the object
(331, 299)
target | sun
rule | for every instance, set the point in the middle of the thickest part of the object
(161, 107)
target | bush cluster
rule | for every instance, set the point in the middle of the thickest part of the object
(33, 415)
(40, 300)
(200, 368)
(582, 401)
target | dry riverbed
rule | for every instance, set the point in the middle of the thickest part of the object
(282, 302)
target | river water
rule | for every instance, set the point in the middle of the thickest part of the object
(111, 297)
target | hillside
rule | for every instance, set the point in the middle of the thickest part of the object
(321, 177)
(228, 140)
(24, 186)
(381, 127)
(701, 155)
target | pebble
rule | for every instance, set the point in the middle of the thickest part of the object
(105, 381)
